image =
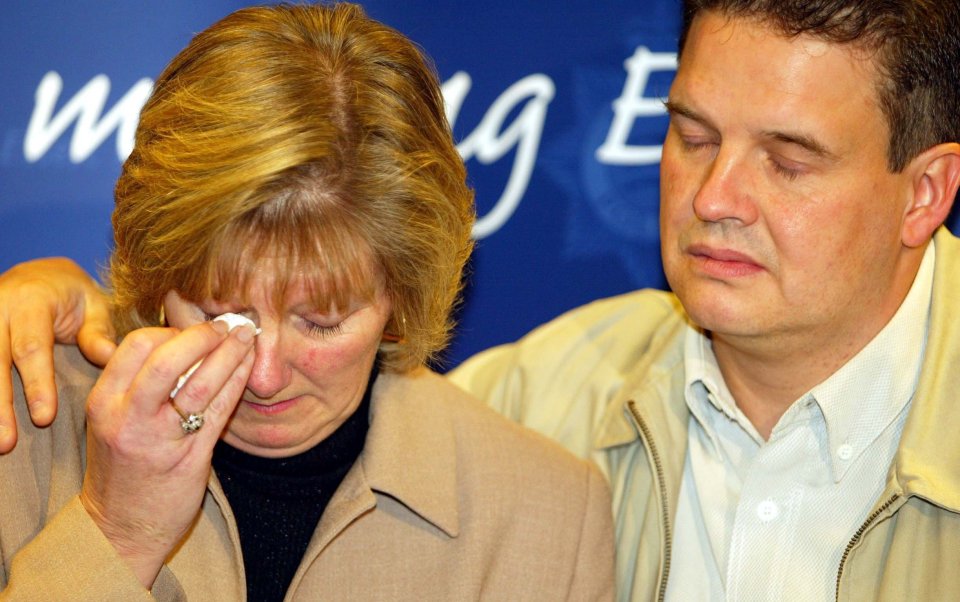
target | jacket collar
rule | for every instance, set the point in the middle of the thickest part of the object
(927, 461)
(649, 394)
(410, 454)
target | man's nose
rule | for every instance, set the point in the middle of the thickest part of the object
(727, 191)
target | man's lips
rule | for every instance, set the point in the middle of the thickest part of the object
(723, 263)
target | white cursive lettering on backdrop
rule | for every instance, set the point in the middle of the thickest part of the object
(491, 140)
(86, 108)
(631, 105)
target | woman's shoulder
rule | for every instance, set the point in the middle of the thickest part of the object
(75, 377)
(33, 488)
(485, 441)
(518, 497)
(500, 511)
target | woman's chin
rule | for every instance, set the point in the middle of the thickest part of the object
(268, 441)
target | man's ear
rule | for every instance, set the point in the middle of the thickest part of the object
(934, 189)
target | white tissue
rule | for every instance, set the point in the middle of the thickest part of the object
(233, 321)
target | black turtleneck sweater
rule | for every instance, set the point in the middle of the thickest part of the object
(277, 502)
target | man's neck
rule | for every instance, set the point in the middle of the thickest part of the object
(767, 374)
(766, 377)
(763, 385)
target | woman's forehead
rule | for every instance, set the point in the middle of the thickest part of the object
(286, 281)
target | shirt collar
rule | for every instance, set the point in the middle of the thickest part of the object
(857, 402)
(705, 391)
(866, 394)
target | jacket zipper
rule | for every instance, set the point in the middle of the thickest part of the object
(661, 486)
(858, 535)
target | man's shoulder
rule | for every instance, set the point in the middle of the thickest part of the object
(562, 378)
(639, 311)
(948, 255)
(611, 332)
(75, 377)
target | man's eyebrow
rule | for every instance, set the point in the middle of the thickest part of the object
(808, 143)
(805, 142)
(676, 108)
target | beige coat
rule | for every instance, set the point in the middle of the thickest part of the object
(448, 501)
(607, 381)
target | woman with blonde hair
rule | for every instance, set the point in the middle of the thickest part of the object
(293, 168)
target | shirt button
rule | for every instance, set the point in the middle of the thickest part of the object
(845, 452)
(767, 510)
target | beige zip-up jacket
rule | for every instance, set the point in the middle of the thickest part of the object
(448, 501)
(606, 380)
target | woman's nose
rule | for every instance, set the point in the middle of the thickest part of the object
(271, 371)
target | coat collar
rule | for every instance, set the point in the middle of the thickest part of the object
(649, 391)
(648, 415)
(926, 464)
(410, 454)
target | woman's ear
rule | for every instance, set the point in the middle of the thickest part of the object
(934, 190)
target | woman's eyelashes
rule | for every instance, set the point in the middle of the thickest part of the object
(326, 328)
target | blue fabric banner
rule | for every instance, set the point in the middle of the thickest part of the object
(556, 108)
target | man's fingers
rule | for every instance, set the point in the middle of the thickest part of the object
(96, 336)
(96, 342)
(31, 346)
(8, 422)
(42, 301)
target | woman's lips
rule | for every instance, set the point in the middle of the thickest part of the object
(271, 408)
(723, 263)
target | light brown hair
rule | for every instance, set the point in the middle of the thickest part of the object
(310, 134)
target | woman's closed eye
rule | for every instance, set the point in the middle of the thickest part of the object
(321, 328)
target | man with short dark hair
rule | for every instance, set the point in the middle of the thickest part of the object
(785, 431)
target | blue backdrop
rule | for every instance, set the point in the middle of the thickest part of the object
(555, 106)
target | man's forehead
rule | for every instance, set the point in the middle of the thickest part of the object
(742, 72)
(766, 59)
(709, 22)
